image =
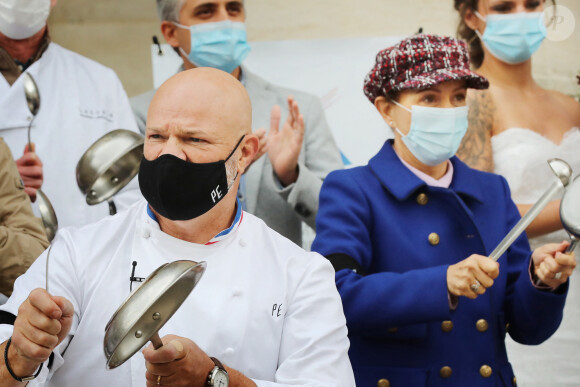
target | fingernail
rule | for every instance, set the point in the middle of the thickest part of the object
(177, 344)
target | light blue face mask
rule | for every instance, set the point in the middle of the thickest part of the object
(221, 45)
(513, 38)
(435, 133)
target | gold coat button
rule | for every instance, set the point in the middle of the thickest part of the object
(445, 372)
(514, 381)
(447, 326)
(393, 330)
(434, 239)
(485, 371)
(422, 199)
(383, 383)
(481, 325)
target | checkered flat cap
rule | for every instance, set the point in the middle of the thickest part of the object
(420, 62)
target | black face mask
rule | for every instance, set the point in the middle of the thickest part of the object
(181, 190)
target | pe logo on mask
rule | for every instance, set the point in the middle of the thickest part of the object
(216, 194)
(560, 23)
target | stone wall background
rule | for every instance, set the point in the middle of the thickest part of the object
(117, 33)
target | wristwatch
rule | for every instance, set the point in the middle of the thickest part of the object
(218, 376)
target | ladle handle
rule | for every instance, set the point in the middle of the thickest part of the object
(29, 140)
(526, 220)
(573, 243)
(112, 207)
(156, 341)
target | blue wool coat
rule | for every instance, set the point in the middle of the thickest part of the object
(404, 235)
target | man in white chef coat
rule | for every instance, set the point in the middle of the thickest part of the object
(80, 101)
(264, 308)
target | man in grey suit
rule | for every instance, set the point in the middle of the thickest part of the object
(282, 188)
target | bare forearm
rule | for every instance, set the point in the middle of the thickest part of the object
(6, 380)
(237, 379)
(547, 221)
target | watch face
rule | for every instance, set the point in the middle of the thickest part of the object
(221, 379)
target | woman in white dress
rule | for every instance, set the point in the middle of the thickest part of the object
(514, 128)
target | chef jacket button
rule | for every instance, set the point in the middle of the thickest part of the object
(229, 351)
(422, 199)
(514, 381)
(434, 239)
(447, 326)
(146, 233)
(243, 243)
(485, 371)
(481, 325)
(393, 330)
(445, 372)
(383, 383)
(237, 293)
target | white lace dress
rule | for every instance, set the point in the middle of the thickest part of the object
(520, 155)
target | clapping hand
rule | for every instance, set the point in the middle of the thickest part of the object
(284, 144)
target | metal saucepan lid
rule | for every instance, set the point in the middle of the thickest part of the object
(148, 308)
(570, 208)
(109, 165)
(47, 215)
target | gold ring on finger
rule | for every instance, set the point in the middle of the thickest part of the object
(158, 380)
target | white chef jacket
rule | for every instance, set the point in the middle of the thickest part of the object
(264, 306)
(80, 101)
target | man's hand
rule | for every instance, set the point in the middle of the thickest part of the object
(42, 323)
(179, 362)
(472, 276)
(284, 145)
(30, 169)
(551, 265)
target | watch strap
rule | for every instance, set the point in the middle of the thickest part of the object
(218, 363)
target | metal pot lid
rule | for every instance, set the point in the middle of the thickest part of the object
(109, 165)
(148, 308)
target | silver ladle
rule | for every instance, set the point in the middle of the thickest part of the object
(563, 172)
(32, 99)
(47, 213)
(570, 212)
(148, 308)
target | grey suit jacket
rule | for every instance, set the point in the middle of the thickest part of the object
(282, 209)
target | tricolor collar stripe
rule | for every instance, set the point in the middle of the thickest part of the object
(223, 234)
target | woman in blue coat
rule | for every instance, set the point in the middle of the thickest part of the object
(409, 236)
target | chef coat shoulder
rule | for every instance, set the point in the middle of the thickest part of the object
(273, 248)
(90, 68)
